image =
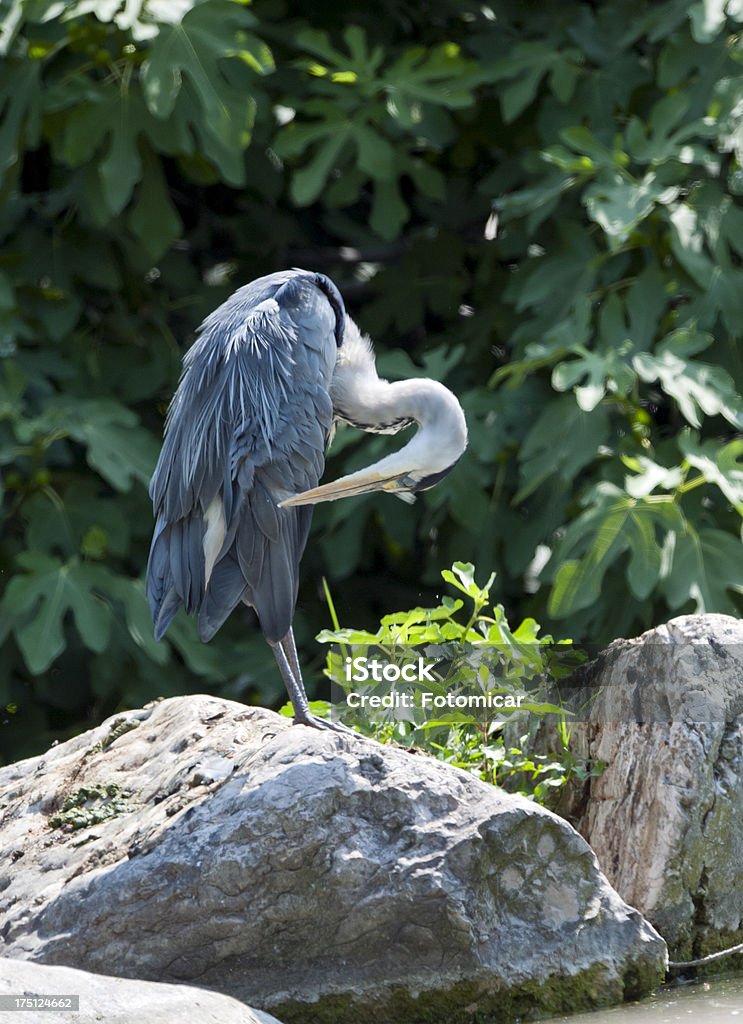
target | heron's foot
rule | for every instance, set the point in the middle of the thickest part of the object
(323, 724)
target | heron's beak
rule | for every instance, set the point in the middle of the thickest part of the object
(363, 482)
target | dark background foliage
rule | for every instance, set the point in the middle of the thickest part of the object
(539, 205)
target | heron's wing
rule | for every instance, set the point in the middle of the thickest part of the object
(247, 426)
(262, 547)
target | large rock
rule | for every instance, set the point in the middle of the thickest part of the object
(107, 1000)
(666, 817)
(323, 877)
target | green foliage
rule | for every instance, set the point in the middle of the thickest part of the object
(478, 655)
(362, 94)
(539, 206)
(90, 805)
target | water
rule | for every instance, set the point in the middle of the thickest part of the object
(715, 1002)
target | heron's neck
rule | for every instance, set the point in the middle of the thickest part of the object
(379, 405)
(366, 401)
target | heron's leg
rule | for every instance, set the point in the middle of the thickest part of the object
(285, 652)
(293, 684)
(290, 650)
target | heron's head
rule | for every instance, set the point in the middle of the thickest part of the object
(426, 459)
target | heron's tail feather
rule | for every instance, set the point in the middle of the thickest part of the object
(166, 613)
(226, 589)
(186, 551)
(175, 571)
(161, 594)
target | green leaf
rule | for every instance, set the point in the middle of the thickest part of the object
(376, 156)
(185, 68)
(619, 205)
(517, 96)
(706, 565)
(645, 304)
(687, 244)
(309, 181)
(326, 140)
(429, 180)
(582, 140)
(604, 369)
(644, 567)
(348, 636)
(613, 524)
(153, 218)
(527, 632)
(78, 520)
(719, 465)
(467, 497)
(20, 109)
(295, 138)
(121, 169)
(12, 386)
(439, 75)
(38, 600)
(526, 64)
(561, 442)
(565, 75)
(725, 293)
(389, 211)
(360, 63)
(697, 387)
(192, 47)
(118, 117)
(557, 278)
(661, 140)
(11, 17)
(117, 447)
(707, 19)
(541, 196)
(650, 475)
(462, 576)
(416, 615)
(132, 595)
(437, 363)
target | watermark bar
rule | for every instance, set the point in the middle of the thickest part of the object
(440, 684)
(38, 1002)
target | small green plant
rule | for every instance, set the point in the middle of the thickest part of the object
(480, 661)
(119, 727)
(90, 805)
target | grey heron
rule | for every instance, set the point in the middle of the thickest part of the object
(245, 436)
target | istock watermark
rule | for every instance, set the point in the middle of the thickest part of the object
(361, 669)
(436, 685)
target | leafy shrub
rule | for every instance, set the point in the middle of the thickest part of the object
(479, 655)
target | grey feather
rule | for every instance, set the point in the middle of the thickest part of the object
(225, 591)
(248, 425)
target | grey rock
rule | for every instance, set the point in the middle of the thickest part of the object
(666, 817)
(107, 1000)
(325, 878)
